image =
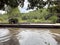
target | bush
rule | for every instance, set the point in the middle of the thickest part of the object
(53, 19)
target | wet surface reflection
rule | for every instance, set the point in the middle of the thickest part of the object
(31, 36)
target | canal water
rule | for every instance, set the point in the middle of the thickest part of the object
(29, 36)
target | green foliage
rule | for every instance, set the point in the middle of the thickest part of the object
(37, 16)
(3, 18)
(14, 11)
(53, 18)
(37, 3)
(12, 3)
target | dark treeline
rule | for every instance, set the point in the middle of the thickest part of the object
(33, 3)
(12, 3)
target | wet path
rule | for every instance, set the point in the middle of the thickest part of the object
(54, 31)
(30, 32)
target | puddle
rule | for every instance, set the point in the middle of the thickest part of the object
(36, 38)
(23, 36)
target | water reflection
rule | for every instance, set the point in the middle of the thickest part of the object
(4, 35)
(37, 38)
(6, 38)
(30, 36)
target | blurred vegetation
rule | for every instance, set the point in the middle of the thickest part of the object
(37, 16)
(41, 15)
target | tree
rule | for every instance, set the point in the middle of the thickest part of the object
(12, 3)
(37, 3)
(57, 3)
(1, 4)
(55, 8)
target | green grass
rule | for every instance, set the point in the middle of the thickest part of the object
(31, 17)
